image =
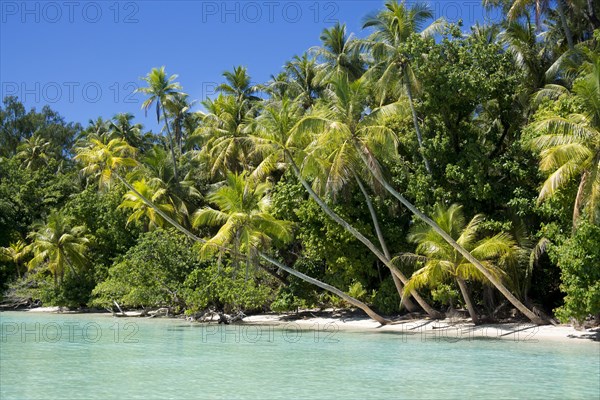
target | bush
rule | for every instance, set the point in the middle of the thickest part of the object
(150, 274)
(579, 260)
(226, 288)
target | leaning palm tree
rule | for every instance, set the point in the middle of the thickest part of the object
(143, 212)
(369, 135)
(104, 161)
(16, 253)
(441, 262)
(161, 90)
(159, 172)
(109, 161)
(391, 70)
(247, 226)
(57, 244)
(570, 146)
(282, 136)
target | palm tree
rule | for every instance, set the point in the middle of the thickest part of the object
(161, 90)
(243, 217)
(245, 223)
(305, 85)
(159, 172)
(393, 26)
(16, 253)
(57, 245)
(340, 53)
(103, 161)
(184, 121)
(281, 137)
(121, 126)
(441, 261)
(239, 85)
(222, 135)
(108, 162)
(570, 146)
(33, 152)
(157, 195)
(369, 133)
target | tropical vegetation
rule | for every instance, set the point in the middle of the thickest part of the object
(414, 167)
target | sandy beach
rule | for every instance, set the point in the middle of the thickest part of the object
(449, 329)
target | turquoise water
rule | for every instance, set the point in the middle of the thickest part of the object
(101, 357)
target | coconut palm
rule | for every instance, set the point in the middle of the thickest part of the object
(121, 126)
(441, 262)
(222, 136)
(367, 134)
(16, 253)
(517, 8)
(282, 138)
(184, 121)
(161, 90)
(239, 85)
(391, 72)
(57, 245)
(33, 152)
(159, 171)
(245, 223)
(104, 161)
(243, 217)
(570, 146)
(304, 85)
(154, 192)
(340, 53)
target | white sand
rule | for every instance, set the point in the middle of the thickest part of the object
(450, 329)
(441, 330)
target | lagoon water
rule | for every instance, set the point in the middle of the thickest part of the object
(69, 356)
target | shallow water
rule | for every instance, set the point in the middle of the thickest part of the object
(49, 356)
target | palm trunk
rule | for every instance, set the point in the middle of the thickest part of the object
(18, 269)
(509, 296)
(579, 199)
(405, 299)
(171, 144)
(416, 122)
(563, 22)
(464, 290)
(350, 229)
(594, 21)
(322, 285)
(289, 270)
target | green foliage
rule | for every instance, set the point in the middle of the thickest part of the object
(445, 294)
(105, 224)
(387, 299)
(151, 273)
(226, 288)
(579, 260)
(449, 118)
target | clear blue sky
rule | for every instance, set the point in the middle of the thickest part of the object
(84, 58)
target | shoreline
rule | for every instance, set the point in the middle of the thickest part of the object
(449, 329)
